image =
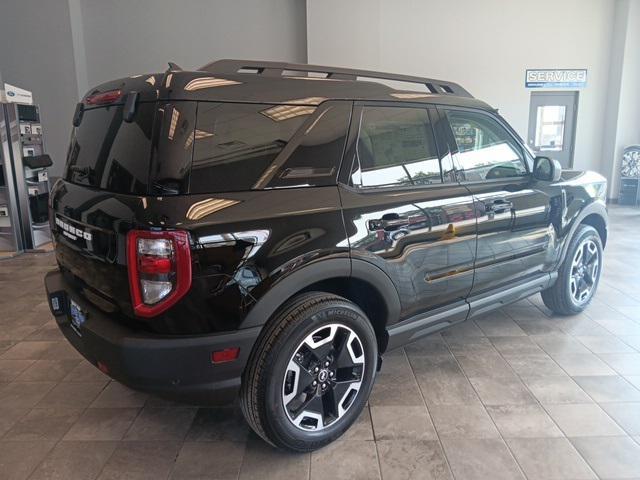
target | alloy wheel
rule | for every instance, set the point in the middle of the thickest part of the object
(323, 377)
(584, 272)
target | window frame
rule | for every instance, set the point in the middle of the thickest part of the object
(350, 161)
(453, 145)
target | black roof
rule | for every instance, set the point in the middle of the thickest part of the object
(271, 82)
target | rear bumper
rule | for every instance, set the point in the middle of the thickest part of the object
(178, 368)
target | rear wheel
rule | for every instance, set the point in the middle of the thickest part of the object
(579, 274)
(311, 372)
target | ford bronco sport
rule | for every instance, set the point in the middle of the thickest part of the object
(269, 230)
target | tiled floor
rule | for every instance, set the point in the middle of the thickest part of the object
(518, 394)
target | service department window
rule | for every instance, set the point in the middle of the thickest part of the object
(396, 147)
(485, 149)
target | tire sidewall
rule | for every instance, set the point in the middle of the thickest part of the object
(278, 360)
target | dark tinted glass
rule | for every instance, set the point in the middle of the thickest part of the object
(110, 154)
(316, 150)
(171, 159)
(236, 143)
(486, 151)
(396, 147)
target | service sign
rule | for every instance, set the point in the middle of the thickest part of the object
(576, 78)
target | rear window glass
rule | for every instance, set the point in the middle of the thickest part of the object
(107, 153)
(236, 143)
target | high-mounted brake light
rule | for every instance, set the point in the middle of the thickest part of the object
(104, 97)
(159, 269)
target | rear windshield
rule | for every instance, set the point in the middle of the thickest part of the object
(107, 153)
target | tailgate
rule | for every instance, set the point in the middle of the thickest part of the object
(89, 228)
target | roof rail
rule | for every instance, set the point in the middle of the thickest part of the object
(280, 68)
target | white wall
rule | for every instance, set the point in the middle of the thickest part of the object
(37, 54)
(622, 121)
(123, 37)
(484, 45)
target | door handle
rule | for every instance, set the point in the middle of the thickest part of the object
(499, 205)
(388, 222)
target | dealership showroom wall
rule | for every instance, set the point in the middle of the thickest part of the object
(519, 392)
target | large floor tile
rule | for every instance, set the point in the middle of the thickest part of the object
(345, 460)
(168, 424)
(582, 364)
(627, 415)
(605, 344)
(393, 422)
(19, 459)
(623, 363)
(610, 457)
(263, 462)
(549, 459)
(481, 459)
(501, 391)
(140, 461)
(465, 421)
(198, 460)
(74, 461)
(583, 420)
(609, 389)
(523, 421)
(50, 423)
(78, 395)
(116, 395)
(102, 424)
(553, 390)
(410, 460)
(534, 365)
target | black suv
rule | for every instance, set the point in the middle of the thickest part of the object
(269, 230)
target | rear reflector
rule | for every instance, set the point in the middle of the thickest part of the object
(226, 355)
(104, 97)
(159, 266)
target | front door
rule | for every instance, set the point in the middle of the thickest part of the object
(516, 241)
(406, 214)
(552, 122)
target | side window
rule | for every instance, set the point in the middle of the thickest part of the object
(235, 143)
(396, 147)
(485, 149)
(316, 150)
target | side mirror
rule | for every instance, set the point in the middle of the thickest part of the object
(547, 169)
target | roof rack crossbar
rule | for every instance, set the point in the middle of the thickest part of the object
(228, 66)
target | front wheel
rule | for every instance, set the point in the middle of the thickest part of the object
(311, 372)
(579, 274)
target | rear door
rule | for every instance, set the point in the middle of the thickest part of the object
(403, 208)
(516, 240)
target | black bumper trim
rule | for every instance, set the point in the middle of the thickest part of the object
(175, 367)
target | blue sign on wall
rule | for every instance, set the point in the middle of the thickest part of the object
(552, 78)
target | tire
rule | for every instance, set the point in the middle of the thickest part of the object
(287, 357)
(566, 296)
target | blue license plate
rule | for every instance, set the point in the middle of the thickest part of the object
(78, 317)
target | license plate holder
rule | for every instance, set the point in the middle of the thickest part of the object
(77, 317)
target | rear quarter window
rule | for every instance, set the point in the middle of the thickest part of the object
(258, 146)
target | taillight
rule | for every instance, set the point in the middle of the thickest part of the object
(104, 97)
(159, 269)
